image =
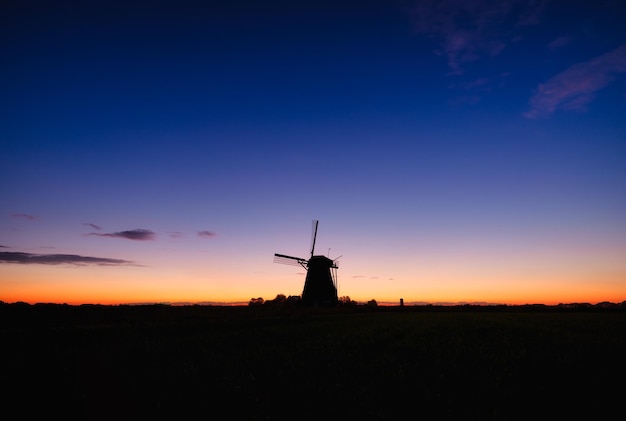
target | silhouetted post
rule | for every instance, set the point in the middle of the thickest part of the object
(401, 302)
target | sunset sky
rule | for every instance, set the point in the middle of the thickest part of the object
(452, 151)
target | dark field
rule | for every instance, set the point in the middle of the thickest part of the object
(203, 362)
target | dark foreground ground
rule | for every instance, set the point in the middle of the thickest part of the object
(202, 362)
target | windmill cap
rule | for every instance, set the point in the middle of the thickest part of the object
(320, 257)
(322, 260)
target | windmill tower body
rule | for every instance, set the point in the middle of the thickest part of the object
(320, 286)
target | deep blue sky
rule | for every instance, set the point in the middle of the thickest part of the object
(451, 150)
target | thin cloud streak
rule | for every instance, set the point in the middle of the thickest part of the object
(206, 234)
(94, 226)
(575, 87)
(60, 259)
(136, 235)
(24, 216)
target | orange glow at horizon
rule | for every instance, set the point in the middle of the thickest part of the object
(54, 285)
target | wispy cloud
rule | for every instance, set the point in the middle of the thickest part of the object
(94, 226)
(464, 100)
(24, 216)
(559, 42)
(59, 259)
(175, 234)
(136, 234)
(481, 83)
(206, 234)
(467, 30)
(575, 87)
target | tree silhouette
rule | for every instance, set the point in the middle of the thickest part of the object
(346, 301)
(256, 301)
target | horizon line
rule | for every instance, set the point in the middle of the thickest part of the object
(378, 303)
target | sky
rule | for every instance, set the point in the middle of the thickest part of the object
(452, 151)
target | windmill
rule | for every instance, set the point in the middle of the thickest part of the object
(320, 285)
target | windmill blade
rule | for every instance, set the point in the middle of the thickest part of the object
(289, 260)
(336, 261)
(315, 222)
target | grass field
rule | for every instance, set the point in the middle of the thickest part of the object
(131, 362)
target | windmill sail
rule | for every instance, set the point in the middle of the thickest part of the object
(314, 237)
(289, 260)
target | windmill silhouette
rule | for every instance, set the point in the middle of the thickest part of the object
(320, 285)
